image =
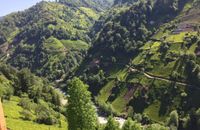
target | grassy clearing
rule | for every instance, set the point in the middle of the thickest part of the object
(75, 44)
(89, 12)
(12, 35)
(179, 38)
(161, 69)
(146, 46)
(18, 124)
(161, 33)
(187, 6)
(139, 59)
(53, 44)
(105, 91)
(121, 74)
(15, 122)
(192, 48)
(175, 48)
(153, 112)
(119, 104)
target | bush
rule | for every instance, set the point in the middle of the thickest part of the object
(26, 115)
(156, 127)
(25, 103)
(112, 124)
(173, 121)
(45, 116)
(131, 125)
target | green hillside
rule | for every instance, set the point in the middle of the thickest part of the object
(157, 74)
(15, 120)
(33, 38)
(140, 59)
(99, 5)
(29, 101)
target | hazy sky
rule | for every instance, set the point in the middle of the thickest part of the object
(9, 6)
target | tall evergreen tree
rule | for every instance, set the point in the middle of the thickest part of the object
(81, 112)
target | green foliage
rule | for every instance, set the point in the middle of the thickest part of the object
(156, 127)
(126, 30)
(26, 115)
(95, 4)
(44, 115)
(36, 36)
(173, 121)
(18, 118)
(25, 83)
(131, 125)
(75, 44)
(80, 110)
(120, 2)
(130, 68)
(40, 112)
(112, 124)
(6, 89)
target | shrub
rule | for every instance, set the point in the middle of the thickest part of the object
(26, 115)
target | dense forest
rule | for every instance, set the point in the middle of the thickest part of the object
(102, 64)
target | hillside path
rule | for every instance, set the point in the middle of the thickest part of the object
(152, 76)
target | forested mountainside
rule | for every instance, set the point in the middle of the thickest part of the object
(121, 33)
(144, 59)
(98, 5)
(140, 59)
(49, 38)
(122, 2)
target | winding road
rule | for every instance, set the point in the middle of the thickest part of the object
(103, 120)
(151, 76)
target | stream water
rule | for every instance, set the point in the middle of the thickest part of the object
(102, 119)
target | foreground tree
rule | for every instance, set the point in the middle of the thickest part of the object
(80, 110)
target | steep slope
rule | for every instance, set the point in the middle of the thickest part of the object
(143, 58)
(121, 33)
(49, 38)
(29, 101)
(154, 74)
